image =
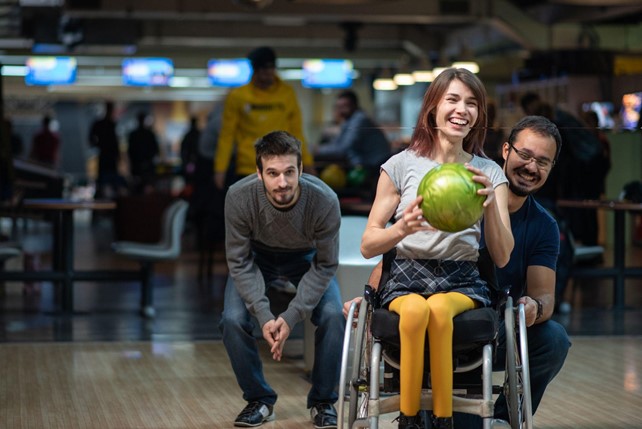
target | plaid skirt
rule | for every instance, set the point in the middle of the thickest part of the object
(428, 276)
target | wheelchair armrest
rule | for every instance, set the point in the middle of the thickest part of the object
(371, 296)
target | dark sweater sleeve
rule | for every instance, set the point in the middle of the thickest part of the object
(246, 275)
(325, 217)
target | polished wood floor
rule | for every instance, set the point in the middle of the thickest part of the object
(176, 384)
(106, 367)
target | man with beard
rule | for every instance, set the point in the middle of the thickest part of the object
(529, 155)
(532, 149)
(282, 228)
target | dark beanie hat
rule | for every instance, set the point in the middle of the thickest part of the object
(262, 57)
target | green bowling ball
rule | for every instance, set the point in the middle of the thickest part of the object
(450, 200)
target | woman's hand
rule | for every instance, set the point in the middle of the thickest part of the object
(412, 219)
(488, 189)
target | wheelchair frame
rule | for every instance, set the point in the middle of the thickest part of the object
(366, 404)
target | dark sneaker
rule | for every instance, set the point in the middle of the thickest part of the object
(408, 422)
(255, 414)
(324, 416)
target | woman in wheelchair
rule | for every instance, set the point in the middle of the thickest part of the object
(434, 276)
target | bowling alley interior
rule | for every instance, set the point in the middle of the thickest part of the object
(112, 283)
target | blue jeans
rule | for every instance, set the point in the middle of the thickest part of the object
(548, 346)
(237, 325)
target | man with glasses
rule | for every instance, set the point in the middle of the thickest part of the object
(529, 155)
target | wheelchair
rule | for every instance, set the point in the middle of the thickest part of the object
(371, 342)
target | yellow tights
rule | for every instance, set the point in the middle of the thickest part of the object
(435, 314)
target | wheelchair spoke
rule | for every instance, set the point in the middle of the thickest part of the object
(513, 385)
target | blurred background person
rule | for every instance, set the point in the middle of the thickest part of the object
(360, 146)
(17, 145)
(263, 105)
(102, 136)
(360, 141)
(189, 152)
(45, 146)
(143, 151)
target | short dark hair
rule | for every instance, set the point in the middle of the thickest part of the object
(351, 96)
(540, 126)
(141, 116)
(262, 57)
(277, 143)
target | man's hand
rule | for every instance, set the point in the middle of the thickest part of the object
(269, 332)
(219, 180)
(346, 308)
(281, 333)
(530, 310)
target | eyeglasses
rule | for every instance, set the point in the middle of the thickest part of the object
(542, 163)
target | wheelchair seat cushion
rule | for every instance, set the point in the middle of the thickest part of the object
(472, 328)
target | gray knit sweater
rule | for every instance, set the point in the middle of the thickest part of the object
(312, 223)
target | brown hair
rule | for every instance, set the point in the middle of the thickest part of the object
(424, 137)
(277, 143)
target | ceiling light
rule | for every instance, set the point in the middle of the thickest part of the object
(404, 79)
(384, 84)
(423, 75)
(471, 66)
(13, 70)
(437, 71)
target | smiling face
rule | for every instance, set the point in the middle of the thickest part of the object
(280, 177)
(456, 112)
(525, 176)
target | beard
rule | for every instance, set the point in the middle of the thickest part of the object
(280, 197)
(516, 187)
(283, 198)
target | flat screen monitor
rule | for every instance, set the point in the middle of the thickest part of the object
(50, 70)
(229, 72)
(630, 111)
(604, 110)
(147, 71)
(327, 73)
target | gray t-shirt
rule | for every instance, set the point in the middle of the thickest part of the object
(406, 169)
(312, 223)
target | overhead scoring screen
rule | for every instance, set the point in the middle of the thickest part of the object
(229, 72)
(50, 70)
(147, 71)
(327, 73)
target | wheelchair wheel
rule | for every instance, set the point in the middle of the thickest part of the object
(357, 340)
(517, 377)
(525, 369)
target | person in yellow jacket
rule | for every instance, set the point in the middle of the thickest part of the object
(263, 105)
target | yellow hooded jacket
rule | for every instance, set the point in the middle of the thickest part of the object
(250, 113)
